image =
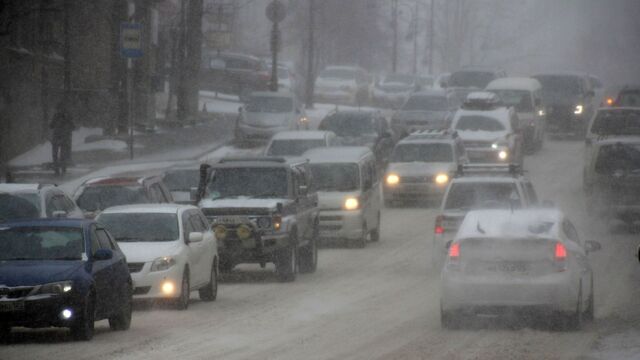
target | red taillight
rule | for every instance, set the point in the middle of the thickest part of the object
(454, 251)
(438, 229)
(560, 252)
(610, 101)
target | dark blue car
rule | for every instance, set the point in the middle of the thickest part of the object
(62, 272)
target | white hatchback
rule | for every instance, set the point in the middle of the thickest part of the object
(170, 249)
(504, 261)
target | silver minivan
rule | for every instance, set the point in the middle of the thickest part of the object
(346, 179)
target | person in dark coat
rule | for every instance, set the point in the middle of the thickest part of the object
(62, 126)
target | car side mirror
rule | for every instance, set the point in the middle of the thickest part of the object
(103, 254)
(195, 237)
(591, 246)
(59, 214)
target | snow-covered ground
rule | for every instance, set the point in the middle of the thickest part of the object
(381, 302)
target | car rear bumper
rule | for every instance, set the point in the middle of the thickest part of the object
(487, 156)
(413, 192)
(553, 291)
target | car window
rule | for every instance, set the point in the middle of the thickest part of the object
(95, 244)
(103, 239)
(479, 123)
(187, 227)
(570, 231)
(237, 64)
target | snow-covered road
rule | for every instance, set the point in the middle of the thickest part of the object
(378, 302)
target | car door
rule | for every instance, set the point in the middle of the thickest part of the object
(120, 270)
(304, 206)
(374, 203)
(208, 244)
(583, 270)
(195, 251)
(104, 275)
(366, 185)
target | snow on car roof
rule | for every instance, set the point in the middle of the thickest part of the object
(482, 96)
(337, 154)
(507, 223)
(301, 135)
(148, 208)
(514, 83)
(500, 113)
(106, 180)
(9, 188)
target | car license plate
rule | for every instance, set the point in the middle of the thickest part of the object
(11, 306)
(511, 267)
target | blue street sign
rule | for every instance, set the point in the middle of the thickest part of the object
(131, 40)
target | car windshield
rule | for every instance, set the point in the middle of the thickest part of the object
(33, 199)
(41, 243)
(95, 198)
(617, 122)
(141, 227)
(618, 157)
(348, 125)
(182, 180)
(555, 88)
(628, 98)
(267, 104)
(293, 147)
(466, 196)
(339, 74)
(477, 79)
(426, 103)
(520, 99)
(399, 78)
(336, 177)
(479, 123)
(422, 153)
(258, 182)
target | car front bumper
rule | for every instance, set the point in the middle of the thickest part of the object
(414, 191)
(39, 312)
(148, 285)
(341, 224)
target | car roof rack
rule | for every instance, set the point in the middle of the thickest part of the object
(253, 159)
(489, 169)
(442, 133)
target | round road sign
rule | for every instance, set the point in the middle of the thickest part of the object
(276, 11)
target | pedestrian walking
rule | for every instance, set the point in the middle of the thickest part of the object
(62, 127)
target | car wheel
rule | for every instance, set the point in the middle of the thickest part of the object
(287, 263)
(210, 292)
(82, 328)
(182, 302)
(361, 242)
(589, 313)
(573, 320)
(374, 235)
(448, 320)
(309, 254)
(122, 320)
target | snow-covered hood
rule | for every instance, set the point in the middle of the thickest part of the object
(261, 119)
(421, 115)
(334, 199)
(241, 202)
(480, 135)
(420, 168)
(363, 140)
(149, 250)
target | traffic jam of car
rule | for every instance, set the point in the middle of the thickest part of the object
(453, 157)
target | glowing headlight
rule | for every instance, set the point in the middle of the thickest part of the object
(393, 179)
(162, 263)
(541, 113)
(168, 287)
(56, 288)
(503, 155)
(351, 203)
(441, 179)
(220, 231)
(578, 110)
(494, 146)
(277, 222)
(243, 232)
(304, 119)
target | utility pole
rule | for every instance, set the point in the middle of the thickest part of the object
(394, 25)
(67, 50)
(415, 38)
(310, 57)
(431, 35)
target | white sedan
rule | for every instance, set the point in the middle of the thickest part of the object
(170, 249)
(523, 260)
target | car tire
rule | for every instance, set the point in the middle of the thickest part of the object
(210, 292)
(589, 313)
(287, 263)
(573, 320)
(182, 302)
(361, 242)
(83, 327)
(449, 320)
(309, 254)
(374, 235)
(122, 320)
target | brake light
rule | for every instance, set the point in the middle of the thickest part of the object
(560, 252)
(454, 251)
(439, 229)
(609, 101)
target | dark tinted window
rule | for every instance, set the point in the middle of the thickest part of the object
(41, 243)
(336, 177)
(101, 197)
(422, 153)
(478, 123)
(616, 122)
(520, 99)
(465, 196)
(182, 180)
(250, 182)
(426, 103)
(628, 98)
(141, 226)
(614, 158)
(103, 239)
(293, 147)
(349, 124)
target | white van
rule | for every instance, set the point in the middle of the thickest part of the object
(346, 179)
(525, 95)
